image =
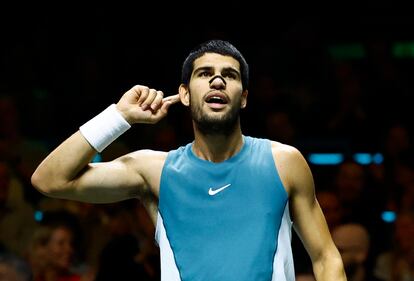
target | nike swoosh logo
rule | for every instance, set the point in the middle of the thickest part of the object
(215, 191)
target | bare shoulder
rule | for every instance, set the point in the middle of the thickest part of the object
(143, 158)
(147, 159)
(152, 155)
(281, 149)
(286, 155)
(290, 164)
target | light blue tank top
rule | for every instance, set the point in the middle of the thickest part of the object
(222, 220)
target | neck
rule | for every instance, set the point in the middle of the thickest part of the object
(217, 147)
(50, 275)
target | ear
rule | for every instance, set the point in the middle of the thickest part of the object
(244, 99)
(184, 94)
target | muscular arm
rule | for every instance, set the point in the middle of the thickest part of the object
(308, 219)
(67, 172)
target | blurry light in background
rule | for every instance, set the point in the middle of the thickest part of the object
(377, 158)
(97, 158)
(326, 158)
(38, 216)
(388, 216)
(347, 51)
(403, 49)
(362, 158)
(368, 158)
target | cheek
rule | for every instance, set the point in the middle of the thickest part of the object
(54, 251)
(193, 98)
(198, 87)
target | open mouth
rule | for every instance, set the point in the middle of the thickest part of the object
(216, 98)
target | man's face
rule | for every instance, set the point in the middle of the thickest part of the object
(215, 93)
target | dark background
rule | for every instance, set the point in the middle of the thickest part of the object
(342, 81)
(65, 65)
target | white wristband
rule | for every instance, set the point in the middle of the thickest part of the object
(104, 128)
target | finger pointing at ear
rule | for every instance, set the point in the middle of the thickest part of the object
(166, 103)
(173, 99)
(144, 105)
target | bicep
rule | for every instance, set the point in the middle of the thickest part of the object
(129, 176)
(108, 182)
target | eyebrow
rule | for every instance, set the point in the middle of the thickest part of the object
(209, 68)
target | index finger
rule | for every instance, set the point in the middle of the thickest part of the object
(173, 99)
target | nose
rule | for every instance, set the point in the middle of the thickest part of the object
(217, 83)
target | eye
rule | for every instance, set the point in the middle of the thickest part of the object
(230, 75)
(204, 74)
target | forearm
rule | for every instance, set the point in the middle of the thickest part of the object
(63, 164)
(66, 172)
(329, 267)
(71, 157)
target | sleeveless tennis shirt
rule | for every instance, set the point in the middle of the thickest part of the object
(226, 221)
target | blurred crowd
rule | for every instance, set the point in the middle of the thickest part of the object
(300, 94)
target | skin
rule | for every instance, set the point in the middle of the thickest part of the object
(67, 171)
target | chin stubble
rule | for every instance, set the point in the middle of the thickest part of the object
(210, 125)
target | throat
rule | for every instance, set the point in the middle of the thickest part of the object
(217, 148)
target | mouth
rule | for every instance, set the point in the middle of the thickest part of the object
(216, 98)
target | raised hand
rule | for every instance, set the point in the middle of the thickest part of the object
(141, 104)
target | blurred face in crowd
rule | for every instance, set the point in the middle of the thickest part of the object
(352, 241)
(8, 273)
(331, 208)
(59, 248)
(350, 181)
(404, 233)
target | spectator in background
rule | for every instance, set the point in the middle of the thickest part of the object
(16, 217)
(401, 184)
(331, 207)
(397, 147)
(354, 191)
(52, 251)
(350, 117)
(353, 242)
(128, 222)
(397, 140)
(118, 261)
(279, 126)
(362, 202)
(21, 153)
(397, 264)
(14, 268)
